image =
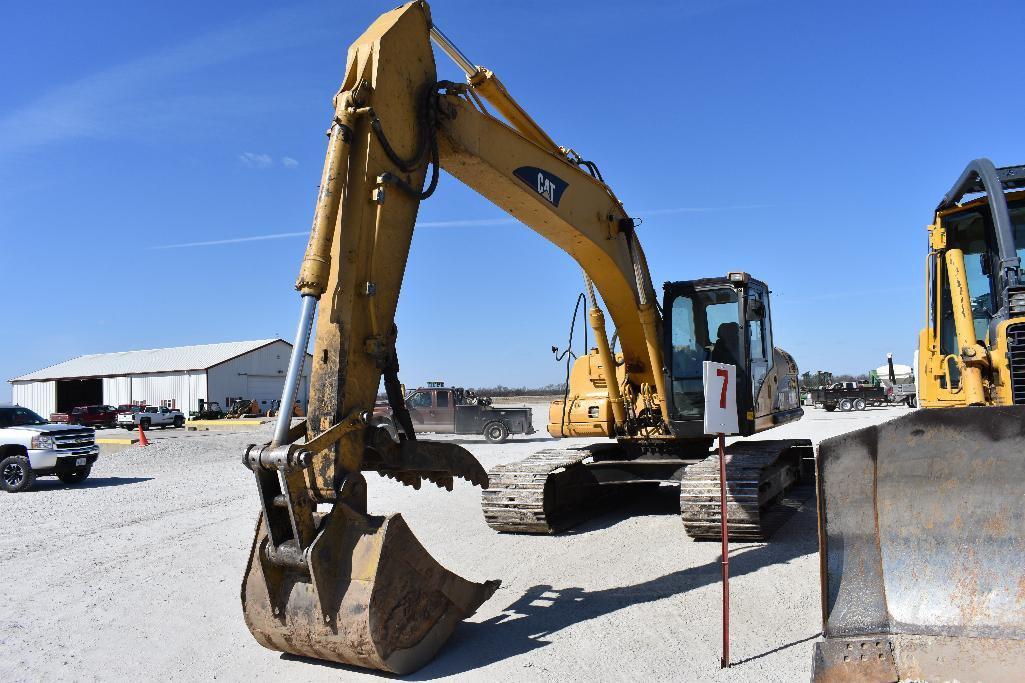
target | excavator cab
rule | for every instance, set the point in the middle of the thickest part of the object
(921, 523)
(725, 320)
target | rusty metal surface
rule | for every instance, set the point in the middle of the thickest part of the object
(371, 596)
(922, 533)
(917, 658)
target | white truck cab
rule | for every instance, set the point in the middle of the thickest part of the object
(151, 416)
(32, 447)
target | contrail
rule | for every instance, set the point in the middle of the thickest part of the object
(463, 223)
(233, 240)
(701, 209)
(283, 235)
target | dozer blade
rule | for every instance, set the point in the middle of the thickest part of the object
(367, 594)
(922, 535)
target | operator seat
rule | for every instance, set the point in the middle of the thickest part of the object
(727, 345)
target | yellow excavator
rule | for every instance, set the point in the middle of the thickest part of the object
(922, 519)
(325, 579)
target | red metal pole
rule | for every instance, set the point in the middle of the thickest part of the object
(725, 662)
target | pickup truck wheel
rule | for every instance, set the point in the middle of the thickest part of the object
(16, 474)
(179, 422)
(74, 476)
(496, 432)
(830, 409)
(144, 423)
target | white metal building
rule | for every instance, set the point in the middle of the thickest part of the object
(176, 377)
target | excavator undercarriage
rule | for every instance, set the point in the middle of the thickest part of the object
(555, 489)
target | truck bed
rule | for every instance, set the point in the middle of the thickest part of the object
(473, 419)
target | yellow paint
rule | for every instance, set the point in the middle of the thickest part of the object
(227, 424)
(981, 363)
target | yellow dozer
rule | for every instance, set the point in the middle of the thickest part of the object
(922, 519)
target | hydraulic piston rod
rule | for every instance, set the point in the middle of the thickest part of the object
(295, 367)
(449, 48)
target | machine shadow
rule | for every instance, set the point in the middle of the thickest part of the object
(629, 502)
(546, 609)
(43, 485)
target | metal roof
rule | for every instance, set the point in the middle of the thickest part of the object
(176, 359)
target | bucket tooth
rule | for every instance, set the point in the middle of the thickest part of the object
(369, 595)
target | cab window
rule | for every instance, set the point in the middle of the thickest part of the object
(705, 326)
(969, 232)
(420, 399)
(442, 397)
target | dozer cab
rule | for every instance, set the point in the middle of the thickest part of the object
(922, 519)
(326, 579)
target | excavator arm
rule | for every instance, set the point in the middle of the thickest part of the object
(392, 118)
(330, 585)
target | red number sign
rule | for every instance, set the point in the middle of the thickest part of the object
(725, 374)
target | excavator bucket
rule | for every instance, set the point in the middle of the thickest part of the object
(922, 535)
(366, 594)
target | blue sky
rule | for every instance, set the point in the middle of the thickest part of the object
(804, 142)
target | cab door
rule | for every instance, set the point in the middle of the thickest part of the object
(420, 405)
(441, 416)
(759, 344)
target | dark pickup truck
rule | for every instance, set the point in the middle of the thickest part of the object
(453, 410)
(88, 416)
(848, 396)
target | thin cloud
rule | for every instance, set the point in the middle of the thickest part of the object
(289, 162)
(848, 294)
(470, 222)
(254, 160)
(120, 98)
(233, 240)
(462, 223)
(702, 209)
(285, 235)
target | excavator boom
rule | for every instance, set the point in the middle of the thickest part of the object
(325, 578)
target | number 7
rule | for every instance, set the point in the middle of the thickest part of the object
(725, 374)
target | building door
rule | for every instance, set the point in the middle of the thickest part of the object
(72, 393)
(264, 389)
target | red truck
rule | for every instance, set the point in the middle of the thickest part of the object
(88, 416)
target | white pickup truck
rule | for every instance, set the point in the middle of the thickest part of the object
(31, 447)
(151, 416)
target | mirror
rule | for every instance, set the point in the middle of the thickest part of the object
(755, 310)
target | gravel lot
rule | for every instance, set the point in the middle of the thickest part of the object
(136, 573)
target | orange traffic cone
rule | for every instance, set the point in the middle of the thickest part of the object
(143, 441)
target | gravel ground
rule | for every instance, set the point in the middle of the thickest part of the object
(136, 573)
